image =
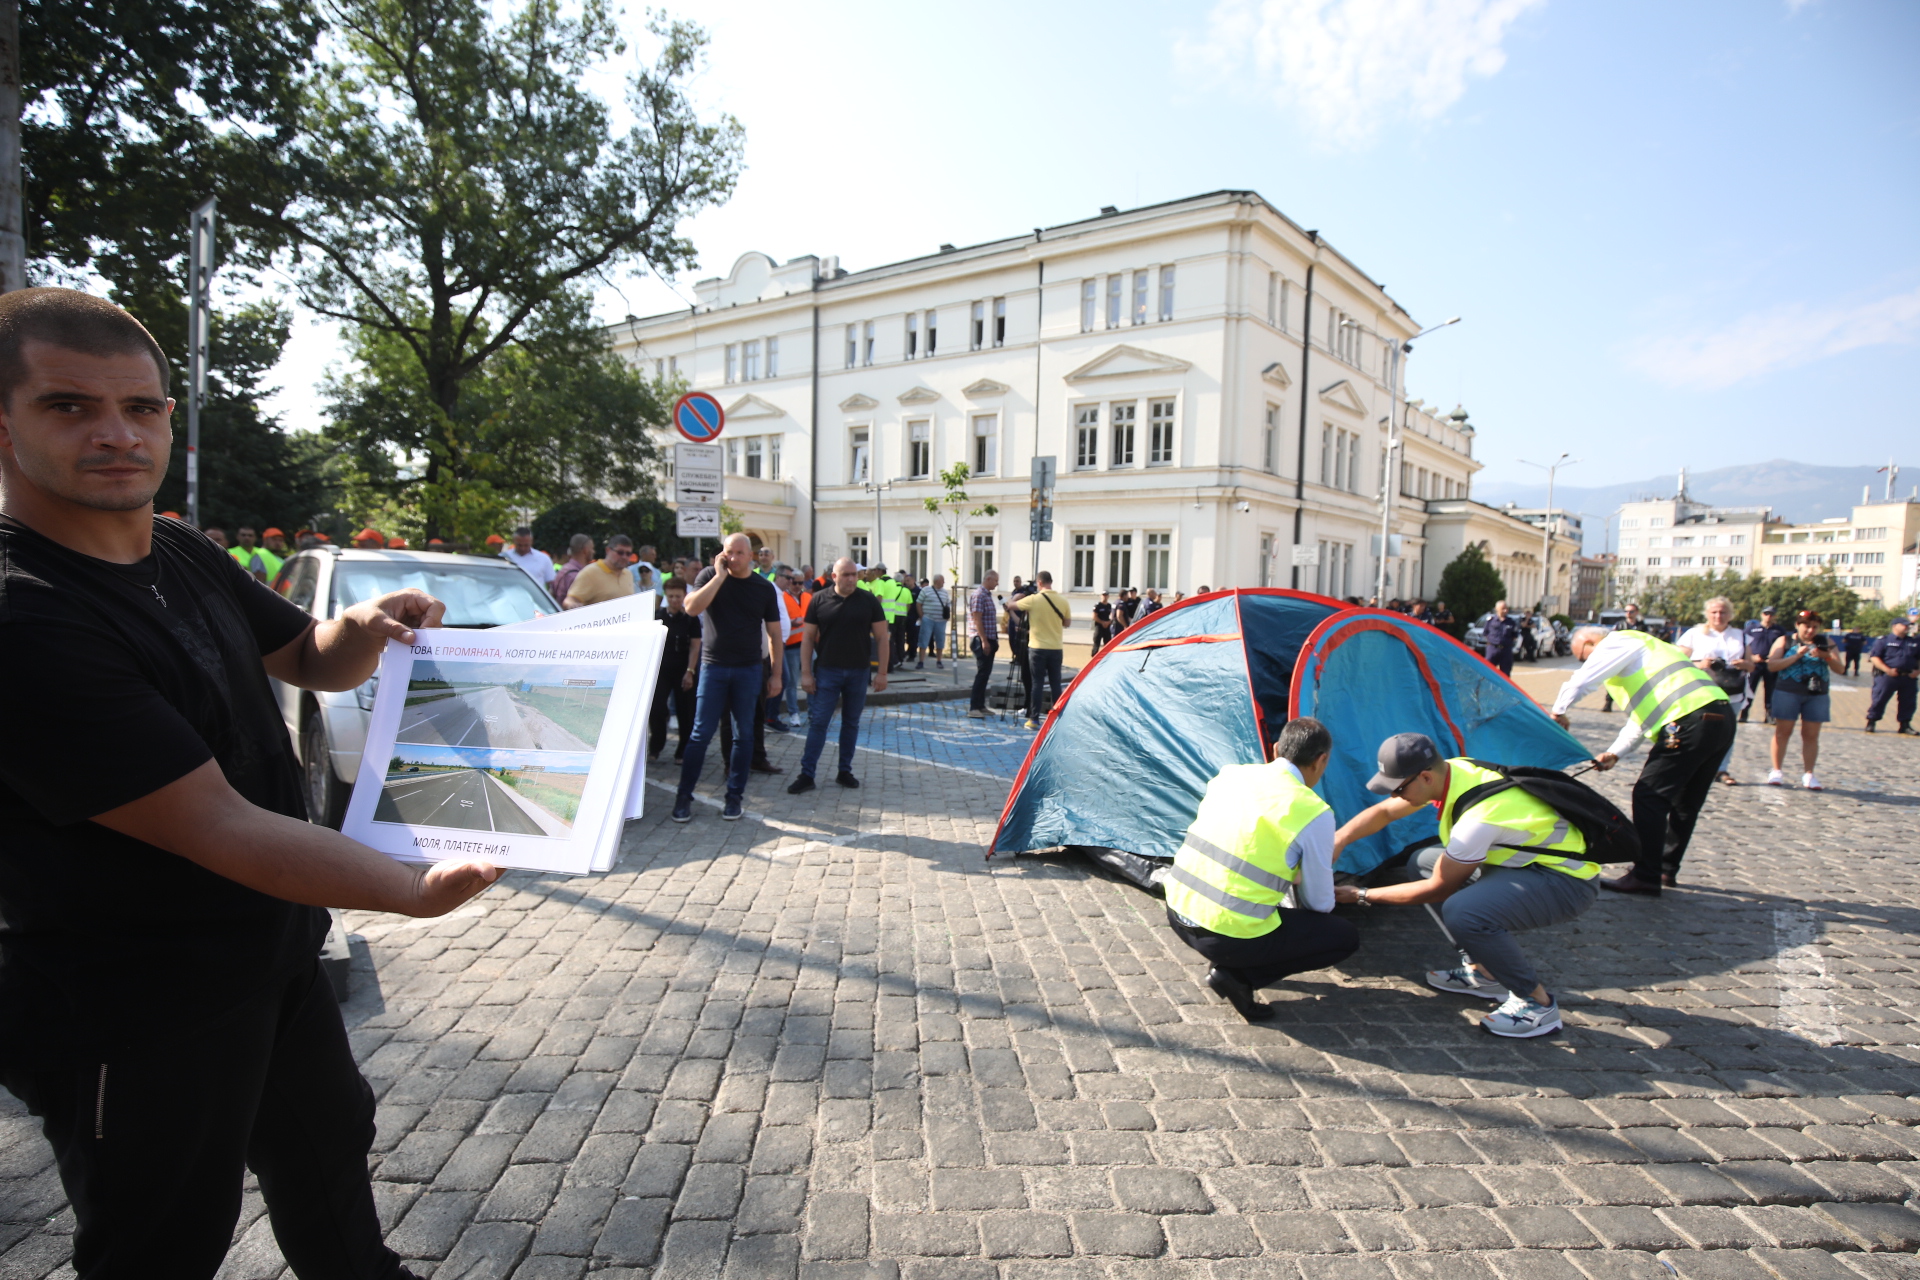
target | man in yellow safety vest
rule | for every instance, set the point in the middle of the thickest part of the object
(1506, 862)
(1252, 884)
(1672, 704)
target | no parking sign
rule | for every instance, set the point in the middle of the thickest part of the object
(698, 417)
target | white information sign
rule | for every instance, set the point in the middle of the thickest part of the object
(697, 522)
(510, 746)
(697, 475)
(1306, 557)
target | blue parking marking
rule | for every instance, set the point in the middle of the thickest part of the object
(940, 733)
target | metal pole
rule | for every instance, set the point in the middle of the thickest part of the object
(1546, 547)
(1300, 464)
(13, 239)
(1387, 480)
(199, 340)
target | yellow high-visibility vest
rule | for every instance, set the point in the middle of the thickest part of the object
(1231, 874)
(1550, 840)
(1663, 687)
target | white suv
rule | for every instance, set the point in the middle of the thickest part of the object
(330, 729)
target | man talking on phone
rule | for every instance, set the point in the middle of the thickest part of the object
(162, 1008)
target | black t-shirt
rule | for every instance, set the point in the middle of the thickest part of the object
(120, 679)
(683, 629)
(733, 630)
(1103, 614)
(846, 627)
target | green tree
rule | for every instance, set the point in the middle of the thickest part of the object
(463, 189)
(1470, 585)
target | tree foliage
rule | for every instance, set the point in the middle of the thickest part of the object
(1470, 585)
(647, 520)
(462, 188)
(1683, 600)
(950, 508)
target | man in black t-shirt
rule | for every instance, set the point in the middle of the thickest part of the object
(1102, 622)
(162, 1008)
(740, 625)
(679, 660)
(843, 628)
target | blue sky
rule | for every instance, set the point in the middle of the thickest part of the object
(1679, 234)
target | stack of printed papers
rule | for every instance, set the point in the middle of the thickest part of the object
(523, 745)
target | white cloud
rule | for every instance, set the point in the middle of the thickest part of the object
(1350, 65)
(1780, 338)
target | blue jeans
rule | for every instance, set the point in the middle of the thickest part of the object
(1046, 666)
(933, 636)
(846, 688)
(790, 680)
(723, 690)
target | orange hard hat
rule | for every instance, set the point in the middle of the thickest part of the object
(171, 515)
(396, 544)
(495, 540)
(271, 532)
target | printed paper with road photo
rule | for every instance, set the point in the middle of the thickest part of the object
(512, 748)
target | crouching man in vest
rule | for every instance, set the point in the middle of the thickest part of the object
(1530, 875)
(1252, 884)
(1676, 706)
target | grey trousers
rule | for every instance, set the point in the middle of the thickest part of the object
(1500, 902)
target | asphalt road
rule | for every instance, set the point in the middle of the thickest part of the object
(468, 800)
(489, 717)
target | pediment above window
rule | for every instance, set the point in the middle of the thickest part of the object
(918, 395)
(753, 407)
(985, 389)
(857, 402)
(1276, 374)
(1124, 361)
(1343, 396)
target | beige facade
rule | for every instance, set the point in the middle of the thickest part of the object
(1664, 538)
(1512, 545)
(1865, 549)
(1158, 355)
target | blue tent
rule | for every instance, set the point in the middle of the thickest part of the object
(1127, 752)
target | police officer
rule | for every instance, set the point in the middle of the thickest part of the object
(1252, 884)
(1760, 638)
(1894, 657)
(1686, 719)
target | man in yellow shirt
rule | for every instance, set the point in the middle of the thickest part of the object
(606, 578)
(1048, 614)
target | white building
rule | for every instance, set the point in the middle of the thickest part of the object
(1161, 356)
(1867, 550)
(1662, 538)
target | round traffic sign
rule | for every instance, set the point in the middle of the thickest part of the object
(698, 417)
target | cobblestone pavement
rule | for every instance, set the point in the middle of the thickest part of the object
(834, 1042)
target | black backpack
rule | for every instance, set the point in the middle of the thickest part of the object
(1608, 832)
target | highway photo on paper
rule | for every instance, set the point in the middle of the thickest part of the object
(530, 793)
(550, 706)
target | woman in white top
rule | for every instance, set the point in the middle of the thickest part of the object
(1717, 640)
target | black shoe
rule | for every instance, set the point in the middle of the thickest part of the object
(801, 785)
(1908, 730)
(846, 779)
(731, 811)
(1670, 879)
(1239, 995)
(1870, 728)
(680, 755)
(1629, 883)
(763, 766)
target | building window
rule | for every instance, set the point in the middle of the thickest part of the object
(867, 344)
(1656, 541)
(1120, 418)
(1159, 560)
(1273, 298)
(1869, 557)
(986, 432)
(1266, 559)
(857, 548)
(1871, 582)
(1736, 562)
(1629, 561)
(1166, 293)
(853, 345)
(977, 336)
(1869, 535)
(1630, 522)
(1139, 297)
(750, 364)
(1625, 543)
(1159, 433)
(733, 363)
(659, 370)
(917, 556)
(1119, 561)
(982, 556)
(1115, 283)
(859, 438)
(1683, 562)
(999, 322)
(756, 457)
(1653, 562)
(1736, 539)
(773, 357)
(1086, 437)
(933, 332)
(913, 334)
(773, 457)
(919, 450)
(1085, 547)
(1707, 562)
(1406, 481)
(1270, 440)
(673, 366)
(1657, 522)
(1089, 304)
(1286, 298)
(733, 457)
(1334, 574)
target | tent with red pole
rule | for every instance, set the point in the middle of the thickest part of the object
(1127, 752)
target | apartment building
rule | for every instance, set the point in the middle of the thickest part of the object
(1209, 378)
(1866, 550)
(1662, 538)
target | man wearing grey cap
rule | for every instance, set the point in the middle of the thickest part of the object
(1506, 862)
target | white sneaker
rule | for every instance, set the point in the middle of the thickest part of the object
(1520, 1018)
(1776, 779)
(1810, 782)
(1465, 981)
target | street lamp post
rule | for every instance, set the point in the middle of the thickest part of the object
(1546, 526)
(1395, 350)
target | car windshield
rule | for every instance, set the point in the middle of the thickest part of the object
(474, 596)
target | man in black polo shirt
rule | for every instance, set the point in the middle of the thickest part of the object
(162, 1008)
(739, 616)
(844, 628)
